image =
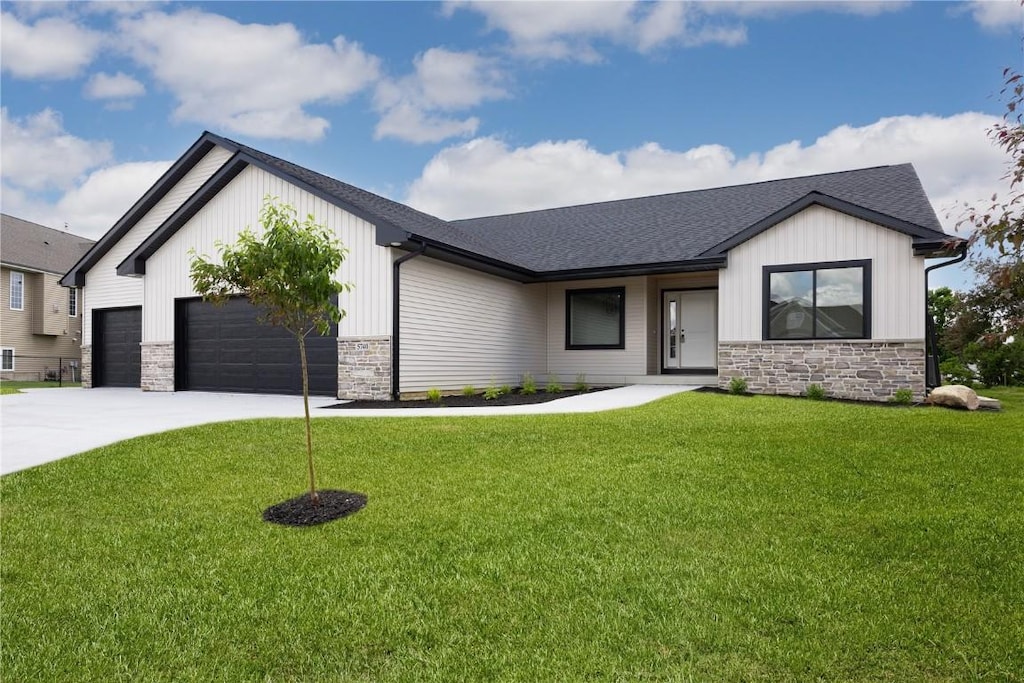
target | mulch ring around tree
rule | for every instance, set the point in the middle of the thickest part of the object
(474, 401)
(301, 511)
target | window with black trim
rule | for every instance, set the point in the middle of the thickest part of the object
(7, 359)
(818, 301)
(595, 318)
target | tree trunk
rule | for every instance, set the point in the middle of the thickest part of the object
(313, 495)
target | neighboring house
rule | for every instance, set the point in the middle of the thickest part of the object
(673, 288)
(40, 321)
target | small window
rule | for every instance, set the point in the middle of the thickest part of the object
(595, 318)
(73, 303)
(818, 301)
(8, 359)
(17, 291)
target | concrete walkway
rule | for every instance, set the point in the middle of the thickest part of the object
(42, 425)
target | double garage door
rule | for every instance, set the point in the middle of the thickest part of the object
(221, 348)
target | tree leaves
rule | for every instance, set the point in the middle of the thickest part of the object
(288, 271)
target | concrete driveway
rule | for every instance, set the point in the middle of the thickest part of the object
(41, 425)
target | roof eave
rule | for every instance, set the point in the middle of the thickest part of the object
(135, 263)
(633, 270)
(939, 248)
(75, 277)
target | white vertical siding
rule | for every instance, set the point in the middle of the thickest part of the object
(461, 327)
(820, 234)
(599, 365)
(236, 207)
(106, 289)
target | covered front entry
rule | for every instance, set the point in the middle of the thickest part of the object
(689, 330)
(226, 348)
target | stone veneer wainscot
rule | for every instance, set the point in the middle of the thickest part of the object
(364, 368)
(860, 370)
(158, 366)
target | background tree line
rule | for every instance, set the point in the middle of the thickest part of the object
(980, 332)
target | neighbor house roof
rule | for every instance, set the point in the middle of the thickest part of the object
(24, 244)
(663, 233)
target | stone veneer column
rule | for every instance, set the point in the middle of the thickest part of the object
(158, 366)
(860, 370)
(364, 367)
(86, 367)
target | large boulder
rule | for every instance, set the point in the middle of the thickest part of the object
(954, 396)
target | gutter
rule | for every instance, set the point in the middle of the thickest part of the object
(929, 324)
(395, 318)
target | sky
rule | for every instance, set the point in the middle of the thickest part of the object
(465, 109)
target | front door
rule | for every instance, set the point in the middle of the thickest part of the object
(689, 329)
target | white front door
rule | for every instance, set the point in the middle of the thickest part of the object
(690, 329)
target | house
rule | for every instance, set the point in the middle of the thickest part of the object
(673, 288)
(40, 321)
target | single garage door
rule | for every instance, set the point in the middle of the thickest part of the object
(225, 348)
(116, 350)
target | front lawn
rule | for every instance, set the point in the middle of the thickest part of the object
(702, 537)
(8, 386)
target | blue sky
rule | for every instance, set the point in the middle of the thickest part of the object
(464, 109)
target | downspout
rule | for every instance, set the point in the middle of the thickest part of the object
(395, 318)
(929, 324)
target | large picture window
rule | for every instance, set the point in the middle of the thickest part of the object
(595, 318)
(818, 301)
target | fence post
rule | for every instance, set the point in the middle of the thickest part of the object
(60, 372)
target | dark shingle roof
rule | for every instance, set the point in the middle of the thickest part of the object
(34, 246)
(685, 225)
(664, 231)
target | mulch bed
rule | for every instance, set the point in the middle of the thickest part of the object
(301, 511)
(475, 401)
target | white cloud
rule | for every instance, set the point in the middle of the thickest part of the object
(772, 8)
(38, 154)
(997, 14)
(575, 30)
(953, 156)
(51, 48)
(553, 30)
(119, 86)
(251, 79)
(405, 121)
(91, 208)
(442, 81)
(94, 206)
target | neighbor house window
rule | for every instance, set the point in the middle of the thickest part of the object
(595, 318)
(818, 301)
(8, 359)
(73, 302)
(17, 291)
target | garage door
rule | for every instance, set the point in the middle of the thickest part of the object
(225, 348)
(116, 354)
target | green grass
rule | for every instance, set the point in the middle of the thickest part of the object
(702, 537)
(8, 386)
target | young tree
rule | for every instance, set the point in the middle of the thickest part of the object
(289, 273)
